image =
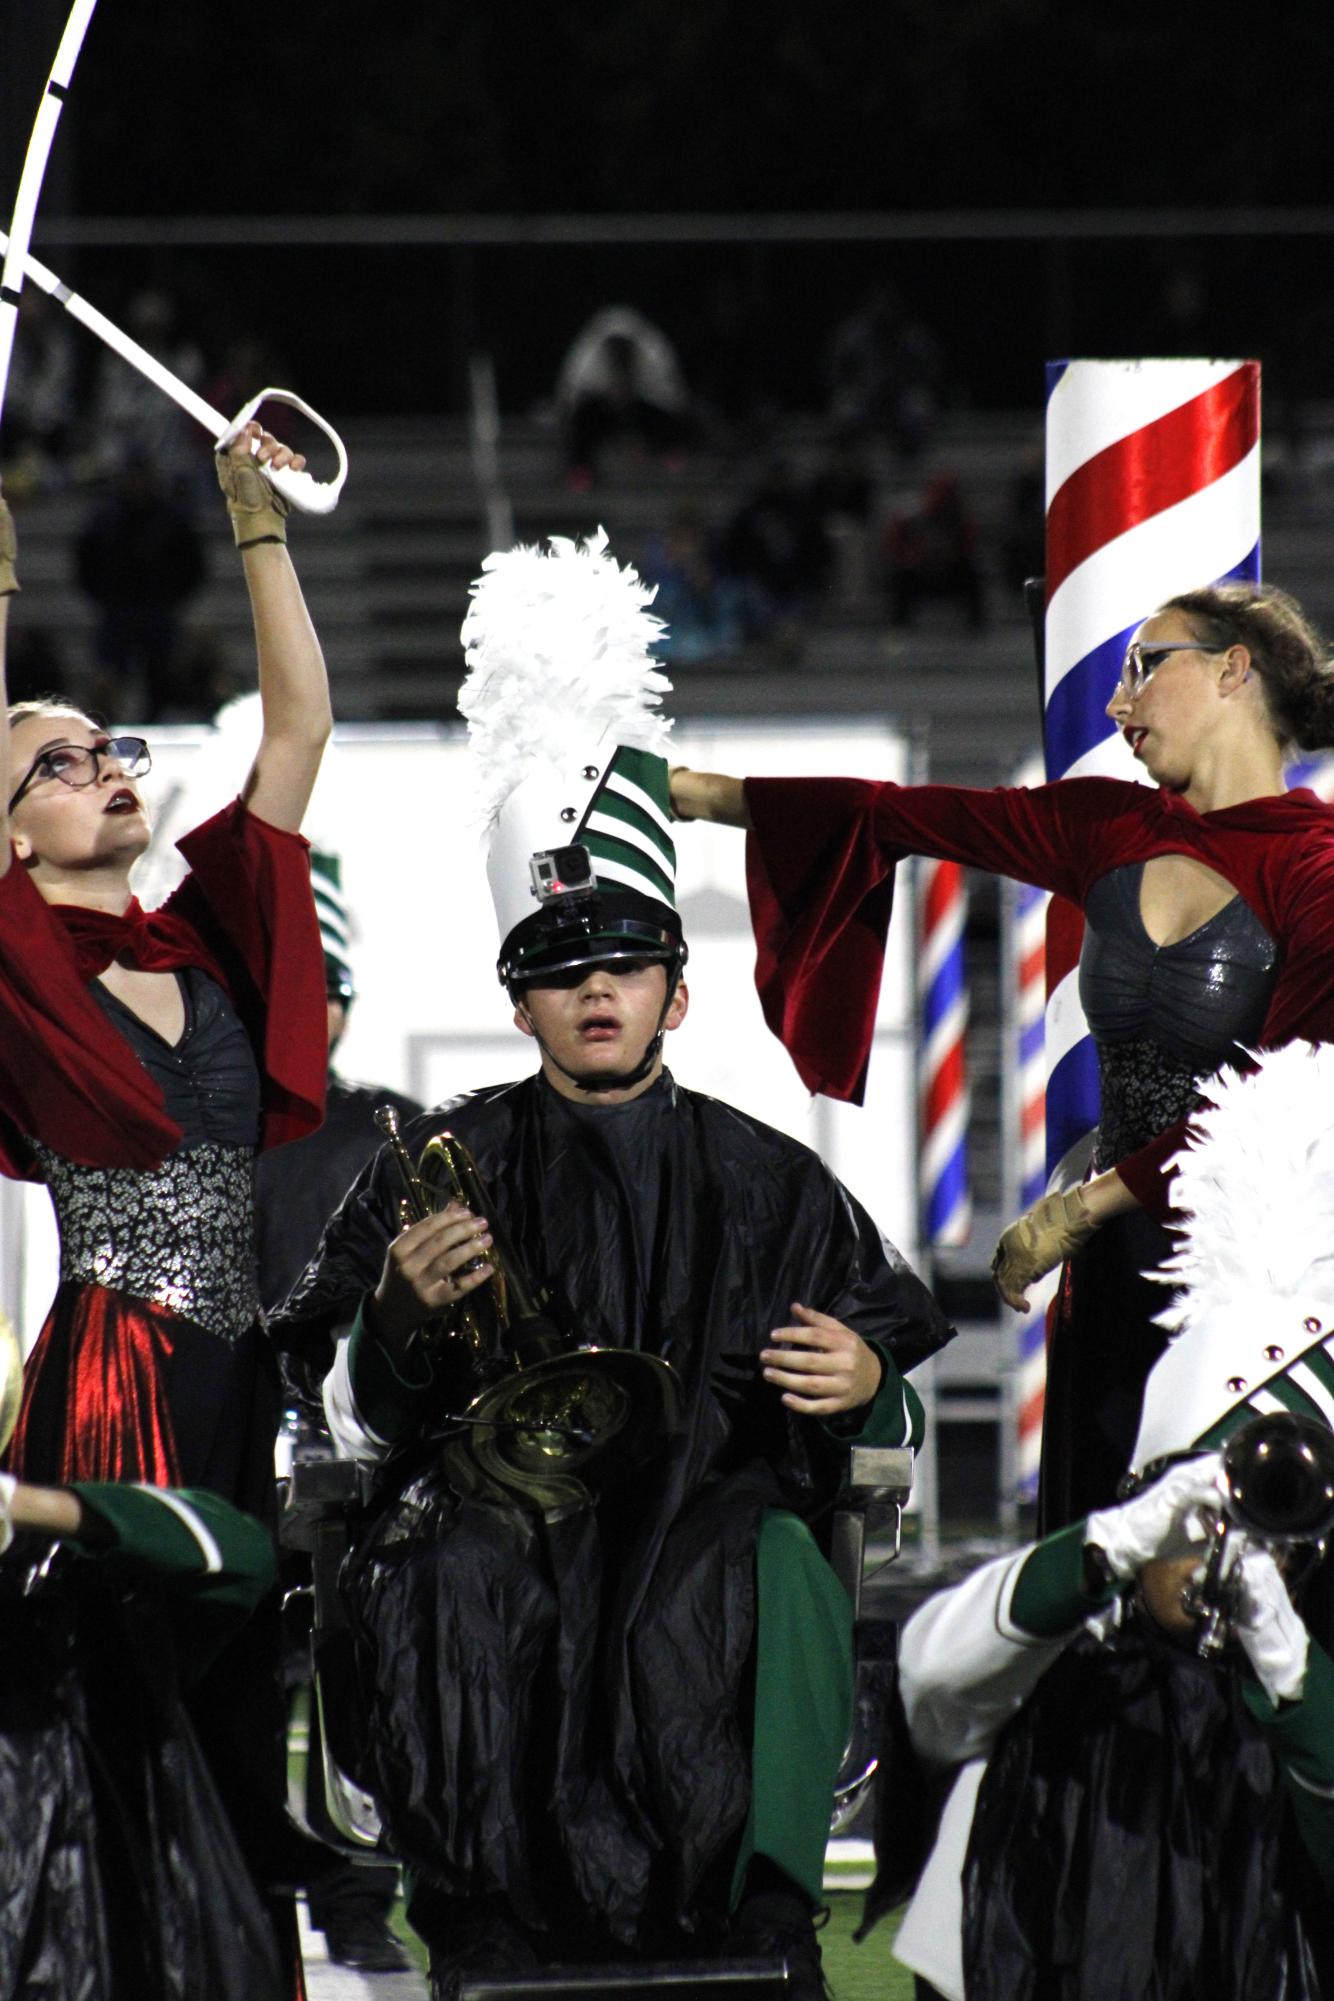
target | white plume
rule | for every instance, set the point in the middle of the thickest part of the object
(557, 644)
(1257, 1190)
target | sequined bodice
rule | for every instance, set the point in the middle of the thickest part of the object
(1163, 1016)
(181, 1235)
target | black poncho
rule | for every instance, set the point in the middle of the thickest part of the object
(560, 1713)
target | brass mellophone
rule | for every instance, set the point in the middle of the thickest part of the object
(549, 1418)
(1278, 1490)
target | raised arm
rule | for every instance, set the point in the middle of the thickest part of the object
(293, 685)
(708, 795)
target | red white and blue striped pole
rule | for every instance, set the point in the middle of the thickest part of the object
(946, 1208)
(1027, 1142)
(1153, 487)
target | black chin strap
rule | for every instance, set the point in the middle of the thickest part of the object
(613, 1080)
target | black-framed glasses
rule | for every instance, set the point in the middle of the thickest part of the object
(80, 764)
(1145, 656)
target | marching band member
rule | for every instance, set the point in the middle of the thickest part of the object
(613, 1727)
(1209, 925)
(1132, 1816)
(143, 1057)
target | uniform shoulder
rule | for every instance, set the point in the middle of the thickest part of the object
(741, 1131)
(469, 1111)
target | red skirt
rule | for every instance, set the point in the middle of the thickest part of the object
(120, 1389)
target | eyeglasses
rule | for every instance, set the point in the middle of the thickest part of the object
(1145, 657)
(80, 764)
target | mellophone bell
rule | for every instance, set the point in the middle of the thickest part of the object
(550, 1418)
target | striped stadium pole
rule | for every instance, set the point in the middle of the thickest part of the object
(1315, 773)
(1029, 975)
(942, 901)
(1153, 487)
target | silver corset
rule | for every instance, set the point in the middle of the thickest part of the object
(1145, 1089)
(181, 1235)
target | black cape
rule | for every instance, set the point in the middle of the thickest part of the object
(560, 1714)
(1132, 1838)
(119, 1871)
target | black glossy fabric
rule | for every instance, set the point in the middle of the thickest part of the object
(1162, 1018)
(209, 1080)
(1132, 1842)
(1105, 1338)
(1197, 997)
(119, 1875)
(519, 1673)
(298, 1187)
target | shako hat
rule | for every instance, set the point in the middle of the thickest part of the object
(1253, 1319)
(326, 881)
(562, 698)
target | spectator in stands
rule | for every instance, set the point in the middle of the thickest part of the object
(133, 419)
(621, 384)
(140, 559)
(777, 549)
(885, 373)
(842, 496)
(40, 400)
(702, 608)
(931, 552)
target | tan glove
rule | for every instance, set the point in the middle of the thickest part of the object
(1038, 1242)
(9, 550)
(258, 513)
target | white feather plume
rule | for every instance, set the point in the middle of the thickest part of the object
(558, 650)
(1257, 1190)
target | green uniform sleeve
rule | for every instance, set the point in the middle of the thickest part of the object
(212, 1563)
(393, 1395)
(1055, 1591)
(893, 1417)
(1302, 1734)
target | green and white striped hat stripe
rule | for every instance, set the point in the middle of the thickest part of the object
(326, 882)
(332, 918)
(627, 827)
(1306, 1389)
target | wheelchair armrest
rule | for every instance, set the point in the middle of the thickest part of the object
(877, 1487)
(320, 1491)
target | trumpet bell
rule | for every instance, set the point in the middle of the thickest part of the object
(590, 1413)
(1279, 1470)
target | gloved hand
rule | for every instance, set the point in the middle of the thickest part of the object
(1269, 1626)
(1038, 1242)
(7, 1486)
(258, 513)
(1170, 1518)
(9, 550)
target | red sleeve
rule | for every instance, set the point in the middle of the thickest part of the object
(248, 897)
(66, 1077)
(820, 872)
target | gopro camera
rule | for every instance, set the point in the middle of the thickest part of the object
(562, 872)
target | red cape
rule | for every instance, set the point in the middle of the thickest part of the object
(244, 915)
(820, 870)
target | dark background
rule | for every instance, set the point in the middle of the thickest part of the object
(951, 112)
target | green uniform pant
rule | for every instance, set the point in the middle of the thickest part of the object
(803, 1703)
